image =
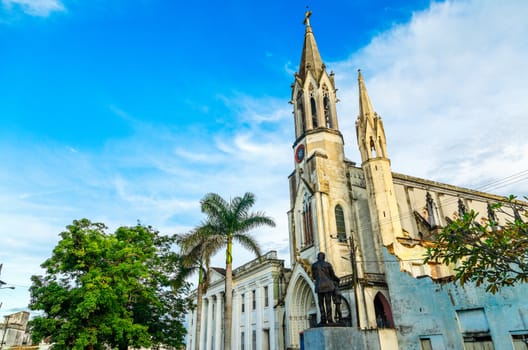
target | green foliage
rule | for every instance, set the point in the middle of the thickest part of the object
(114, 290)
(490, 254)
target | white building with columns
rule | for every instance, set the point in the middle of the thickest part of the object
(258, 307)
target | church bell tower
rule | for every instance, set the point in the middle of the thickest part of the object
(376, 166)
(319, 195)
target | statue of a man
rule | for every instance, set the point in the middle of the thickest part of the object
(325, 280)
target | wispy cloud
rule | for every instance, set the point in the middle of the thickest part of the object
(450, 86)
(257, 110)
(39, 8)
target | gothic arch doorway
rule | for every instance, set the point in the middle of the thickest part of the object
(302, 310)
(383, 311)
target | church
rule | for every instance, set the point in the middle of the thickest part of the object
(374, 226)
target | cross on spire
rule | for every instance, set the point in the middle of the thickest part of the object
(307, 15)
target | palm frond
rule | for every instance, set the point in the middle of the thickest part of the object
(213, 205)
(240, 206)
(197, 247)
(256, 220)
(248, 242)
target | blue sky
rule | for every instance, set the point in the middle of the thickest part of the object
(121, 111)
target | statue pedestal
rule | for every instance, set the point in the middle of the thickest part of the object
(340, 338)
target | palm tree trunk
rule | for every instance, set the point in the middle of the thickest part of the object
(228, 306)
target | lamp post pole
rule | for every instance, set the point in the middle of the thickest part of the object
(355, 279)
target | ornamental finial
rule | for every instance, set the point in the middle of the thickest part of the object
(307, 15)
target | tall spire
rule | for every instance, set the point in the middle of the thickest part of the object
(310, 59)
(369, 127)
(365, 107)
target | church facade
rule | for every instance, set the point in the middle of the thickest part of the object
(374, 226)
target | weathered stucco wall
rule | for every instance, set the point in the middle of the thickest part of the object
(423, 308)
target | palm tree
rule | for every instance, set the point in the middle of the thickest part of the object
(197, 247)
(232, 221)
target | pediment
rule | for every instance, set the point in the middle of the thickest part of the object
(215, 274)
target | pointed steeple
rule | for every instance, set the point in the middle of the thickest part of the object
(310, 58)
(365, 107)
(375, 162)
(369, 127)
(313, 91)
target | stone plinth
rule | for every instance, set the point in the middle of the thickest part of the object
(340, 338)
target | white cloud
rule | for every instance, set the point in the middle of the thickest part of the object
(451, 88)
(39, 8)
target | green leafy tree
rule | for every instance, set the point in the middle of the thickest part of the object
(486, 253)
(114, 290)
(232, 221)
(197, 247)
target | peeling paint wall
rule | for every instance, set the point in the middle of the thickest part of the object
(423, 308)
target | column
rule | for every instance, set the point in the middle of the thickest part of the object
(203, 324)
(210, 305)
(273, 320)
(235, 341)
(191, 321)
(259, 295)
(247, 323)
(218, 321)
(195, 342)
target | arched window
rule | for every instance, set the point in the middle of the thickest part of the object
(315, 124)
(307, 222)
(327, 113)
(432, 211)
(300, 108)
(326, 107)
(340, 223)
(383, 312)
(373, 152)
(461, 208)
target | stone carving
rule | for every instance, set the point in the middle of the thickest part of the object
(306, 266)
